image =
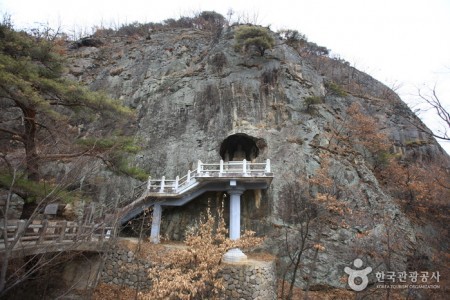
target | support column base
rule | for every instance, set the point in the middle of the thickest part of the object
(154, 240)
(234, 255)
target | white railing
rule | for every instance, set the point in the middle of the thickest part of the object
(222, 169)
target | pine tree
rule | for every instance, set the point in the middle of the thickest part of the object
(254, 36)
(43, 114)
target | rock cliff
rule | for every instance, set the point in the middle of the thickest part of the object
(192, 90)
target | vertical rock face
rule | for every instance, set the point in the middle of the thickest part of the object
(192, 91)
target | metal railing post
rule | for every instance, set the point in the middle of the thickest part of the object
(244, 166)
(268, 166)
(199, 167)
(161, 190)
(188, 179)
(176, 182)
(221, 167)
(149, 183)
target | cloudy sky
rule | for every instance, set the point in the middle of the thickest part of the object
(403, 43)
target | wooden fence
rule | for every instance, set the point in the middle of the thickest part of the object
(47, 231)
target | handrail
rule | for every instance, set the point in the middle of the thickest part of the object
(40, 232)
(238, 168)
(58, 232)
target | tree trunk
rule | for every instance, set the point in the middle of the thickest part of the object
(262, 50)
(28, 209)
(294, 275)
(32, 163)
(31, 156)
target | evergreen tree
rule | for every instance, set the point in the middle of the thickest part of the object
(253, 36)
(44, 116)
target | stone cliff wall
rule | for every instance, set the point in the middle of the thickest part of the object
(188, 104)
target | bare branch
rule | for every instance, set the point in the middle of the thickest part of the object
(17, 136)
(50, 157)
(5, 260)
(434, 103)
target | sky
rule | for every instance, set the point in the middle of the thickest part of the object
(402, 43)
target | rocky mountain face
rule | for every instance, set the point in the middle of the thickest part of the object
(191, 90)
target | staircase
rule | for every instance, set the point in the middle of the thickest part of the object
(25, 237)
(206, 177)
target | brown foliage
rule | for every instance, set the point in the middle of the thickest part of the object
(108, 291)
(358, 134)
(364, 130)
(307, 205)
(194, 271)
(328, 190)
(417, 185)
(325, 294)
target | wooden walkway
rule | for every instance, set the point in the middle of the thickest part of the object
(27, 238)
(50, 236)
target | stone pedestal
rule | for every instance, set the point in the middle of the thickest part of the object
(234, 255)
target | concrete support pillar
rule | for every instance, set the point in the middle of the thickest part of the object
(235, 255)
(235, 214)
(156, 223)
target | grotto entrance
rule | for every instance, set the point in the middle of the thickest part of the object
(240, 146)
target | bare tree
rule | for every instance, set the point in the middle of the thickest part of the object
(307, 204)
(432, 102)
(298, 212)
(18, 260)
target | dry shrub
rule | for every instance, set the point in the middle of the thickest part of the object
(193, 272)
(109, 291)
(325, 294)
(365, 131)
(219, 61)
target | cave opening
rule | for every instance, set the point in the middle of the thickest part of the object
(241, 146)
